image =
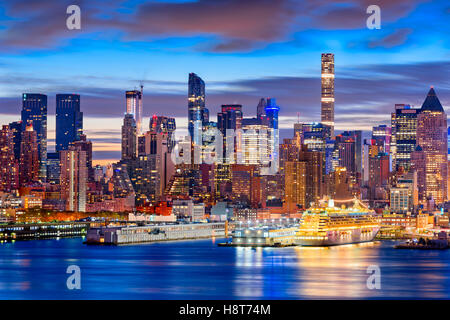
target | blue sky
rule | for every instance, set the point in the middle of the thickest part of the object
(243, 50)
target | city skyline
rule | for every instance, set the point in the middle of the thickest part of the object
(375, 69)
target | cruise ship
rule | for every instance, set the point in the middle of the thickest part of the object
(330, 226)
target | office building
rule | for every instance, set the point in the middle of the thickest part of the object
(69, 120)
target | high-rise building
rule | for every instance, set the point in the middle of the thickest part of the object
(161, 124)
(74, 179)
(9, 168)
(156, 145)
(196, 107)
(381, 135)
(403, 135)
(29, 157)
(327, 97)
(69, 120)
(304, 179)
(261, 111)
(84, 145)
(34, 109)
(16, 130)
(53, 168)
(129, 139)
(134, 107)
(230, 118)
(432, 138)
(378, 175)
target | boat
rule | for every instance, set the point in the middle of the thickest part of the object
(331, 226)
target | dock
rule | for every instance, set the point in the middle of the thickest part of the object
(154, 233)
(30, 231)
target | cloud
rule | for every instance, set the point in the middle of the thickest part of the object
(227, 25)
(398, 37)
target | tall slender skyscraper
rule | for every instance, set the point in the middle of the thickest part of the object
(9, 168)
(129, 140)
(69, 120)
(432, 138)
(34, 109)
(327, 98)
(196, 107)
(74, 178)
(134, 107)
(29, 157)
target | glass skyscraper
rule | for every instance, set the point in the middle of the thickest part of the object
(69, 120)
(34, 111)
(197, 112)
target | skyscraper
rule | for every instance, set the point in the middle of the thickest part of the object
(403, 135)
(73, 178)
(134, 107)
(34, 109)
(69, 120)
(129, 140)
(161, 124)
(29, 157)
(9, 168)
(432, 138)
(16, 130)
(327, 97)
(196, 107)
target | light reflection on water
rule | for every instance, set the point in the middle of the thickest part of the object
(202, 270)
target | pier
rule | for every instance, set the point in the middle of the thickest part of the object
(154, 233)
(29, 231)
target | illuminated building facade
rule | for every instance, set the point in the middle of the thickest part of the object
(69, 120)
(327, 96)
(34, 110)
(403, 135)
(129, 140)
(73, 178)
(9, 168)
(432, 138)
(197, 112)
(134, 107)
(29, 157)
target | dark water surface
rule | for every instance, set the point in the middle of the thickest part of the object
(202, 270)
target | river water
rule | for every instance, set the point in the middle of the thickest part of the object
(201, 270)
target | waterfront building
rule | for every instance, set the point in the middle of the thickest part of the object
(9, 166)
(34, 110)
(29, 157)
(188, 210)
(432, 138)
(129, 139)
(69, 120)
(403, 135)
(327, 95)
(73, 178)
(404, 196)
